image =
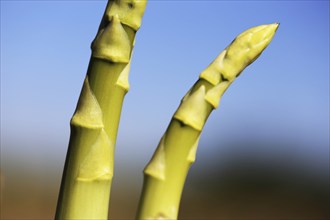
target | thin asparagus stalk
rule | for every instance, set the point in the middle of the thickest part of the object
(165, 174)
(88, 172)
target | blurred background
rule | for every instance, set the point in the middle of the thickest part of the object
(264, 154)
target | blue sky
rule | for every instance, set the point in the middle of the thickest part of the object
(281, 98)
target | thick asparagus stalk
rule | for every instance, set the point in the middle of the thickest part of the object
(165, 174)
(87, 177)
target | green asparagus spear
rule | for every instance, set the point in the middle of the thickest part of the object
(165, 174)
(88, 171)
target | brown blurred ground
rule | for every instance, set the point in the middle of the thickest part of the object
(239, 191)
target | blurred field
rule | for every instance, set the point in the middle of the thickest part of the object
(241, 187)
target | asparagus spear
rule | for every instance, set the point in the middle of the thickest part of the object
(165, 174)
(88, 171)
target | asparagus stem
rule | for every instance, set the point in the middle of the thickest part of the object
(88, 171)
(165, 174)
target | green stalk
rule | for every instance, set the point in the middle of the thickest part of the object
(88, 171)
(165, 174)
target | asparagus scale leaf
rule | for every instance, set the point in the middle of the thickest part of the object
(88, 171)
(165, 174)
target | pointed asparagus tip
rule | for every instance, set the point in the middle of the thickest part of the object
(277, 25)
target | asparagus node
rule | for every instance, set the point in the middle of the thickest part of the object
(165, 174)
(88, 171)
